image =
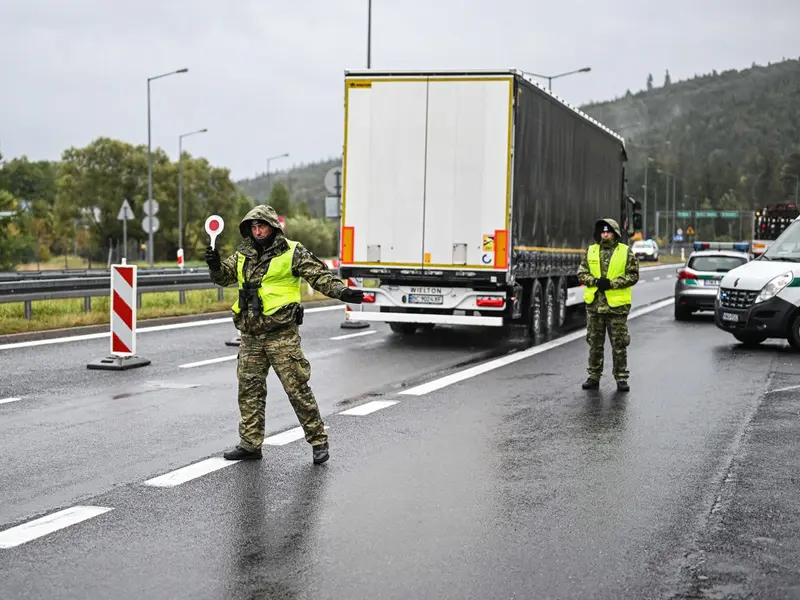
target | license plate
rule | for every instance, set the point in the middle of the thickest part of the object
(712, 282)
(425, 299)
(730, 317)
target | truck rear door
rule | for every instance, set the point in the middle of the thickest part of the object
(427, 172)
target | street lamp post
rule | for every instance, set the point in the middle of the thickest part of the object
(551, 77)
(150, 157)
(180, 191)
(369, 33)
(269, 160)
(647, 161)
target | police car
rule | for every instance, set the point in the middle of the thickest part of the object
(761, 299)
(698, 280)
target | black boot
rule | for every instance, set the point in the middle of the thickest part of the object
(622, 386)
(239, 453)
(320, 453)
(591, 384)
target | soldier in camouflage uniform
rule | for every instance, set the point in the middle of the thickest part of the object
(608, 271)
(269, 269)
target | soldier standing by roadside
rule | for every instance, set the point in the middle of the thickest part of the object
(269, 269)
(609, 270)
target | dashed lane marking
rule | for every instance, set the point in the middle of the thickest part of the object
(9, 400)
(184, 474)
(437, 384)
(27, 532)
(354, 335)
(210, 361)
(291, 435)
(368, 408)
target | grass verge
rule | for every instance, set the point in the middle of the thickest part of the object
(58, 314)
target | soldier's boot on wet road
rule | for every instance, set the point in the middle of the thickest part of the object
(591, 384)
(240, 453)
(622, 386)
(320, 453)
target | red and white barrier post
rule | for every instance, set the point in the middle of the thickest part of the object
(123, 322)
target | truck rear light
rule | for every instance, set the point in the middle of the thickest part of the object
(369, 298)
(492, 302)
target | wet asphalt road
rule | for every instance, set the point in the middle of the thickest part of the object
(514, 483)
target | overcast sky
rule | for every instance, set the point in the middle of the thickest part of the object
(265, 76)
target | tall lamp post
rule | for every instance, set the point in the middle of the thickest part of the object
(269, 160)
(551, 77)
(647, 161)
(180, 191)
(369, 33)
(150, 157)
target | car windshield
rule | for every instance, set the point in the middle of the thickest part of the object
(787, 246)
(716, 264)
(641, 244)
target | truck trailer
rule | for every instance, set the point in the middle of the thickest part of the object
(470, 197)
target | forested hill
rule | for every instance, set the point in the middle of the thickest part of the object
(734, 140)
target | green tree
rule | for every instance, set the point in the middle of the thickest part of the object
(280, 201)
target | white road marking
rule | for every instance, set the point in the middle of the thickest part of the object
(211, 361)
(291, 435)
(353, 335)
(437, 384)
(656, 278)
(369, 407)
(22, 534)
(9, 400)
(786, 389)
(184, 474)
(99, 336)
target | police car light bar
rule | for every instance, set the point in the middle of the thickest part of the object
(737, 246)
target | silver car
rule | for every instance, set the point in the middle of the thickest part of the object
(698, 280)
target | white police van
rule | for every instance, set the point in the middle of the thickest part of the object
(761, 298)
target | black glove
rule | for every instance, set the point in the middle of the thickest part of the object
(603, 284)
(212, 258)
(352, 296)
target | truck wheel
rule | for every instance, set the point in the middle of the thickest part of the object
(749, 340)
(550, 309)
(793, 336)
(561, 302)
(403, 328)
(535, 311)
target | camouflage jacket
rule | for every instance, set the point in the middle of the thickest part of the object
(631, 277)
(304, 264)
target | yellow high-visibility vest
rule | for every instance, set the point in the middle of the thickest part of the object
(616, 268)
(279, 286)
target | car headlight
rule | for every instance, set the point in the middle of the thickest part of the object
(774, 286)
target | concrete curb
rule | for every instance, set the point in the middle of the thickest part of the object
(29, 336)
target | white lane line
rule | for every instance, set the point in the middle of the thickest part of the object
(656, 278)
(208, 362)
(286, 437)
(786, 389)
(368, 408)
(99, 336)
(437, 384)
(184, 474)
(22, 534)
(354, 335)
(9, 400)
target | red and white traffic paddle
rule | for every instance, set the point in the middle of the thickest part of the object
(214, 226)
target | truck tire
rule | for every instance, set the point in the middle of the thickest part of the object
(793, 335)
(561, 303)
(403, 328)
(550, 309)
(536, 311)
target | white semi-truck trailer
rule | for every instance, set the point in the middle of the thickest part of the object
(469, 198)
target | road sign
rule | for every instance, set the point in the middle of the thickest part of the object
(332, 178)
(214, 226)
(332, 207)
(125, 211)
(690, 230)
(684, 213)
(680, 231)
(150, 224)
(151, 207)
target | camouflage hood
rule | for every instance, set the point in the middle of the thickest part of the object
(262, 212)
(598, 227)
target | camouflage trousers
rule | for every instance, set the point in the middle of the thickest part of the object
(597, 324)
(280, 350)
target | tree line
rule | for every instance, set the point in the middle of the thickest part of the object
(70, 207)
